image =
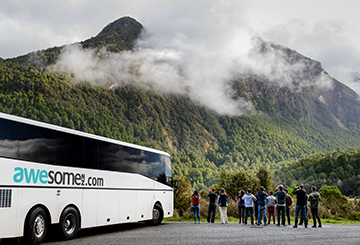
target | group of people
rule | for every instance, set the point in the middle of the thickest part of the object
(264, 206)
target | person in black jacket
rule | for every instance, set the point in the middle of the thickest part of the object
(212, 205)
(281, 204)
(300, 204)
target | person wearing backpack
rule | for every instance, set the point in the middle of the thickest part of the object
(223, 202)
(196, 205)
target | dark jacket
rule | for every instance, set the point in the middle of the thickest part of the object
(314, 199)
(212, 198)
(301, 195)
(223, 200)
(280, 197)
(261, 196)
(288, 200)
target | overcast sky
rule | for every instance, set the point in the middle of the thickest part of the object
(327, 31)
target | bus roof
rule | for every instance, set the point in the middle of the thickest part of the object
(76, 132)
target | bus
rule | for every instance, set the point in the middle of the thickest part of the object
(50, 175)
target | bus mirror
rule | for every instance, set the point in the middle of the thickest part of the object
(175, 184)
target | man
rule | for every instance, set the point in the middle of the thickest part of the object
(314, 199)
(212, 205)
(261, 196)
(281, 197)
(288, 202)
(300, 204)
(249, 198)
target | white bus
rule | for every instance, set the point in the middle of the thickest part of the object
(54, 175)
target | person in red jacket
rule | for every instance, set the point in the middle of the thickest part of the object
(196, 205)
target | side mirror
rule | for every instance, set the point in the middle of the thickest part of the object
(175, 184)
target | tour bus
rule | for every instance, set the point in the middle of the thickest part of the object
(55, 175)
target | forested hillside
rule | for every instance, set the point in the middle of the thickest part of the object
(339, 168)
(289, 124)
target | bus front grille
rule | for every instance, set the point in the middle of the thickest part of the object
(5, 198)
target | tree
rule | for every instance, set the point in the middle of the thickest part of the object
(265, 178)
(182, 194)
(234, 181)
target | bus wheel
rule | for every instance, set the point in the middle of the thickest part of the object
(158, 215)
(36, 226)
(69, 223)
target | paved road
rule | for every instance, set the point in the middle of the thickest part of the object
(232, 233)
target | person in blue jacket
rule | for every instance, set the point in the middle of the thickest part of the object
(261, 196)
(223, 200)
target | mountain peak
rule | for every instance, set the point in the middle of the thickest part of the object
(117, 36)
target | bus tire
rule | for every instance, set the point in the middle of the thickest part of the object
(69, 223)
(158, 215)
(36, 226)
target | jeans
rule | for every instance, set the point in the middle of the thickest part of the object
(211, 213)
(301, 208)
(282, 210)
(271, 213)
(315, 215)
(288, 215)
(196, 212)
(241, 214)
(262, 209)
(247, 210)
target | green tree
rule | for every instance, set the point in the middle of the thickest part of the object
(182, 194)
(265, 178)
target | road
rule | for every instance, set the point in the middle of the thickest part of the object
(232, 233)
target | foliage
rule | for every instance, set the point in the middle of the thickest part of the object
(234, 181)
(182, 194)
(339, 167)
(265, 178)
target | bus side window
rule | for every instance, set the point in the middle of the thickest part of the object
(69, 149)
(9, 144)
(36, 144)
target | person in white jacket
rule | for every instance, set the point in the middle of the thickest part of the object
(249, 199)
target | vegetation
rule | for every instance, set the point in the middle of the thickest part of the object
(338, 168)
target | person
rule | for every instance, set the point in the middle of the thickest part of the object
(223, 202)
(306, 212)
(241, 206)
(249, 199)
(270, 202)
(196, 205)
(212, 206)
(288, 202)
(261, 196)
(300, 204)
(281, 196)
(314, 199)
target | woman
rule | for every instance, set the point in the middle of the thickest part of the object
(196, 205)
(223, 202)
(241, 205)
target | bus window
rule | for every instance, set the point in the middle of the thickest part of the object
(114, 157)
(69, 149)
(90, 154)
(36, 144)
(9, 138)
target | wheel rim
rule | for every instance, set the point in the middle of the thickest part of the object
(70, 223)
(39, 226)
(156, 214)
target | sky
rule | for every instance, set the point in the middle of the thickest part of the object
(209, 34)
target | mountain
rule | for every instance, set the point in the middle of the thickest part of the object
(292, 120)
